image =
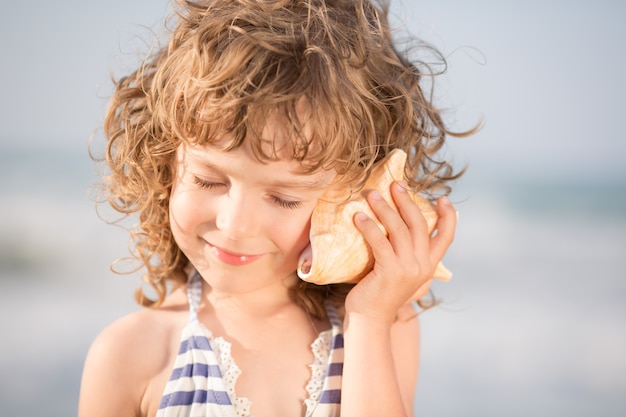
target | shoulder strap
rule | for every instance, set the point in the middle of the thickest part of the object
(330, 398)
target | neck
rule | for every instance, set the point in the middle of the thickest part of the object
(260, 303)
(250, 320)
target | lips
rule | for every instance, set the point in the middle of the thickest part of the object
(231, 258)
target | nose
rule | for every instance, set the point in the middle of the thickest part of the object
(236, 216)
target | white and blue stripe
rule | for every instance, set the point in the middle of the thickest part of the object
(196, 387)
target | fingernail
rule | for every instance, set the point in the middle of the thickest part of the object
(445, 200)
(361, 217)
(400, 187)
(375, 195)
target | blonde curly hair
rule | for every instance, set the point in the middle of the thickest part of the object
(228, 64)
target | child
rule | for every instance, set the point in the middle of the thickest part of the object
(222, 143)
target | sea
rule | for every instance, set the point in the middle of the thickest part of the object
(533, 321)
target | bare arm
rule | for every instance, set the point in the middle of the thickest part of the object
(381, 355)
(405, 343)
(381, 363)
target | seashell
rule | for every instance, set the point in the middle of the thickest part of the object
(337, 252)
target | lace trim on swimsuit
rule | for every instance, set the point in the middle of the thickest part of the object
(321, 350)
(230, 372)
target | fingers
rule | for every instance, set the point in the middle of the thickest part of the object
(376, 239)
(405, 258)
(398, 240)
(408, 235)
(446, 226)
(412, 217)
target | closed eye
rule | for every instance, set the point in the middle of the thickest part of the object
(288, 204)
(206, 184)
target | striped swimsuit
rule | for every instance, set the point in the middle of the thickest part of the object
(204, 376)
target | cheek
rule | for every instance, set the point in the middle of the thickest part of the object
(184, 216)
(293, 234)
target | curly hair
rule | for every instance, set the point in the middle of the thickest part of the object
(227, 66)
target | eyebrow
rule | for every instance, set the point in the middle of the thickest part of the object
(298, 183)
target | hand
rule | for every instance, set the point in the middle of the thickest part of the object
(405, 260)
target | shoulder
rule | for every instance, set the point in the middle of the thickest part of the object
(133, 339)
(128, 355)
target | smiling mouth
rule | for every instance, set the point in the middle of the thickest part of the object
(231, 258)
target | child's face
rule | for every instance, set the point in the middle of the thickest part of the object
(242, 223)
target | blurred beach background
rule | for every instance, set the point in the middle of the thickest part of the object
(534, 320)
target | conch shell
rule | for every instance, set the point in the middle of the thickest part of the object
(337, 252)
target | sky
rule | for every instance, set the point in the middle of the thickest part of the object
(545, 77)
